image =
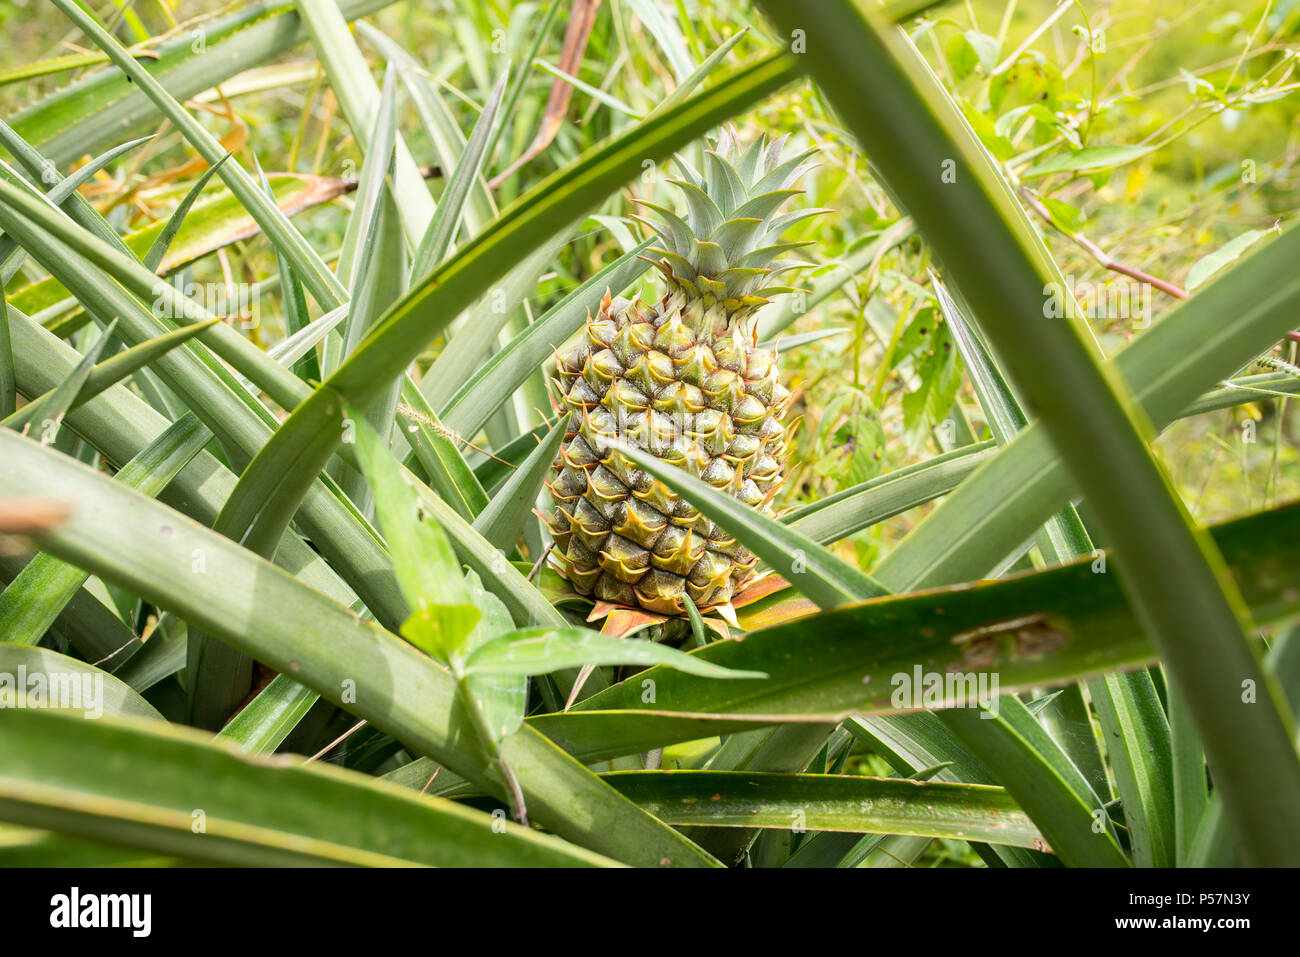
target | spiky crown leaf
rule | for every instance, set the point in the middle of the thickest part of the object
(728, 248)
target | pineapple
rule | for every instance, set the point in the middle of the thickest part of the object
(685, 381)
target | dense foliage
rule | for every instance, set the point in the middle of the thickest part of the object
(285, 283)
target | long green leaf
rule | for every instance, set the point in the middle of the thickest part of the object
(33, 600)
(57, 244)
(1132, 720)
(38, 678)
(113, 370)
(502, 521)
(154, 257)
(442, 228)
(1211, 842)
(264, 612)
(853, 509)
(921, 744)
(121, 425)
(1137, 737)
(8, 384)
(189, 796)
(442, 615)
(311, 270)
(539, 651)
(266, 721)
(475, 401)
(1174, 577)
(827, 802)
(362, 104)
(1032, 630)
(63, 126)
(60, 192)
(232, 413)
(48, 410)
(1167, 367)
(813, 570)
(435, 448)
(257, 514)
(1015, 748)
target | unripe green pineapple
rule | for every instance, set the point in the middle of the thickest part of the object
(685, 381)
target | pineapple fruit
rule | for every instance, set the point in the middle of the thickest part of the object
(685, 381)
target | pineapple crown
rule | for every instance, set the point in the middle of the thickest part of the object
(727, 249)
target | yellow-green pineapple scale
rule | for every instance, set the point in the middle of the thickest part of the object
(685, 381)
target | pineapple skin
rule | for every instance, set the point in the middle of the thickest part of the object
(685, 381)
(688, 385)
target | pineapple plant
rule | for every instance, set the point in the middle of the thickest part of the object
(685, 380)
(340, 499)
